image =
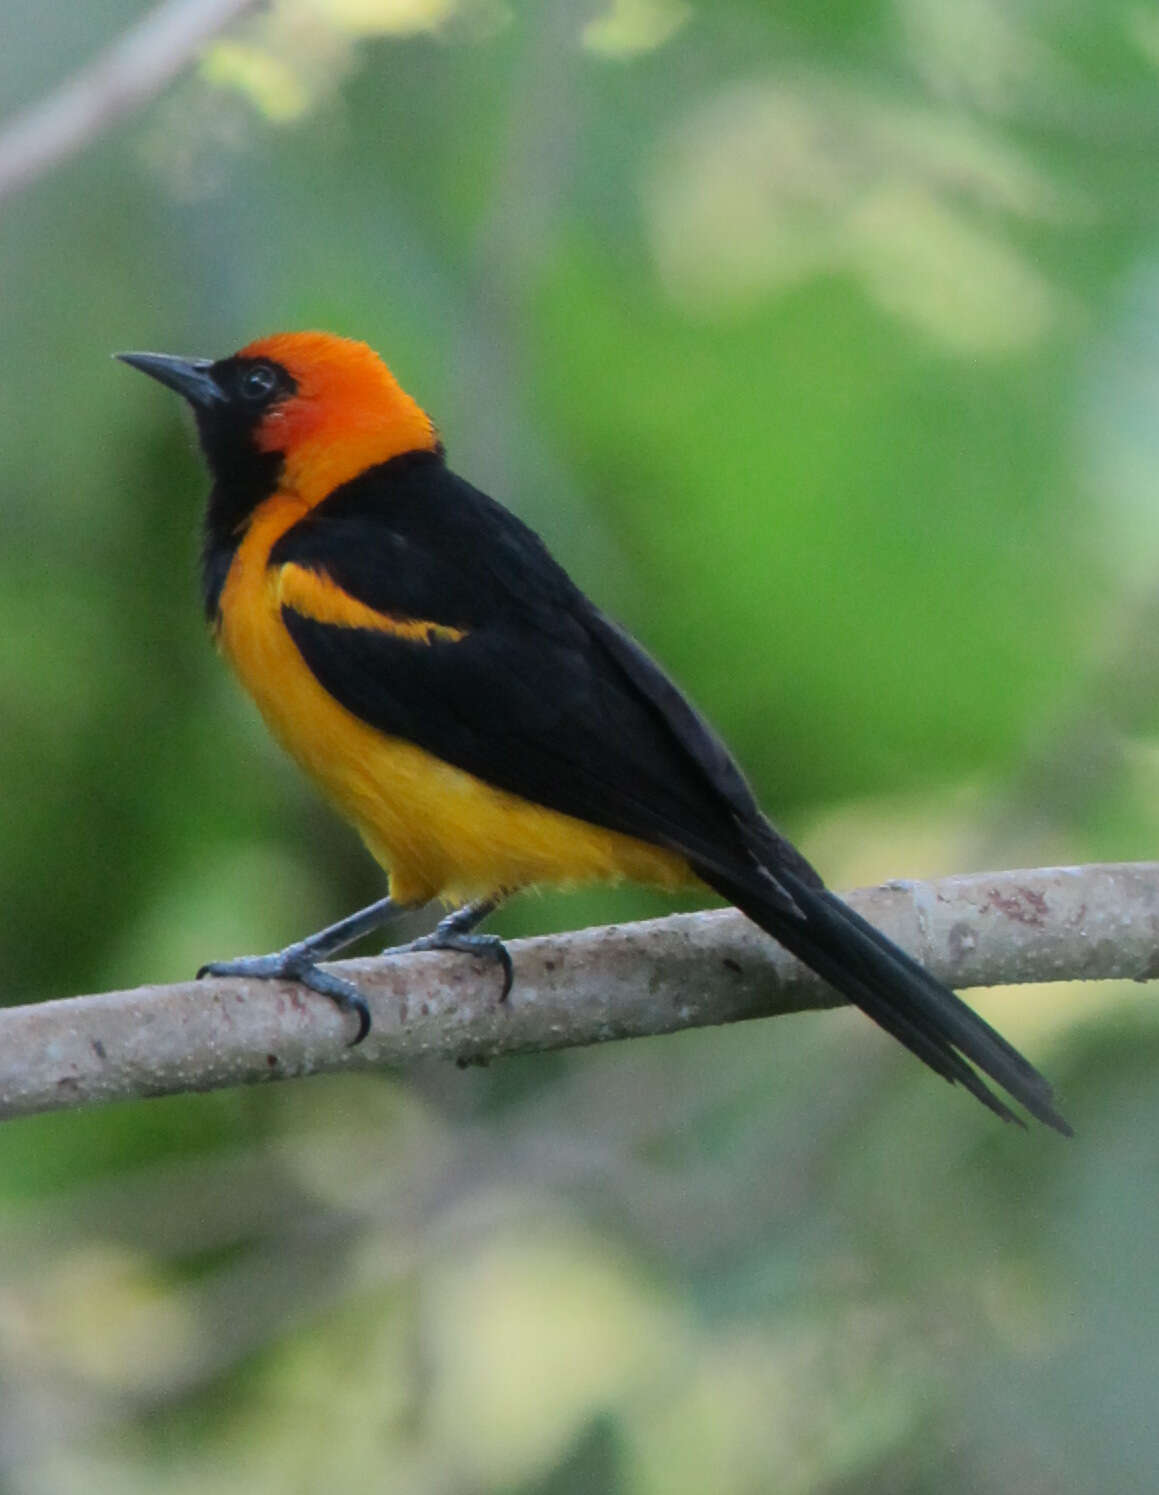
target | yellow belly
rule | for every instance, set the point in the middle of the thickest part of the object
(438, 831)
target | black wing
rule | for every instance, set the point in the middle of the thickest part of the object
(542, 695)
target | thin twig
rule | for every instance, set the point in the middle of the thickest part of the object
(133, 70)
(687, 971)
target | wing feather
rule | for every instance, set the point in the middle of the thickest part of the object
(435, 615)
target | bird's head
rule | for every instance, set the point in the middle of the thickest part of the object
(302, 412)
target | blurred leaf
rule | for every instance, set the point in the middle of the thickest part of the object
(819, 342)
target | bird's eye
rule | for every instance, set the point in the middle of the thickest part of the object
(259, 382)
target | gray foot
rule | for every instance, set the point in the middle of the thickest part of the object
(485, 946)
(292, 965)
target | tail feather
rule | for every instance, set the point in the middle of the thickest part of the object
(895, 991)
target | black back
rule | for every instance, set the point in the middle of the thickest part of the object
(543, 696)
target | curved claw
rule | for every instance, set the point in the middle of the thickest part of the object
(344, 994)
(286, 967)
(262, 967)
(503, 955)
(486, 946)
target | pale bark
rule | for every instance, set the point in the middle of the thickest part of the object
(687, 971)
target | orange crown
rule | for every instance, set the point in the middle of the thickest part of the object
(349, 412)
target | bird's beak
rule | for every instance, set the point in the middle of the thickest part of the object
(188, 376)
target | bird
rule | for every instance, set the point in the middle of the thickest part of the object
(481, 722)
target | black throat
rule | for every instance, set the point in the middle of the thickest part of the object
(244, 477)
(233, 498)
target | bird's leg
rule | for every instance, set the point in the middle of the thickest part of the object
(455, 932)
(299, 962)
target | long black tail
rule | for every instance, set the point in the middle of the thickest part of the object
(894, 990)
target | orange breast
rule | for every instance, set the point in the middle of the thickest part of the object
(438, 831)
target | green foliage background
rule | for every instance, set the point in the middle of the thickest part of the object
(822, 343)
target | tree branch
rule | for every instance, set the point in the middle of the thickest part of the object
(687, 971)
(133, 70)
